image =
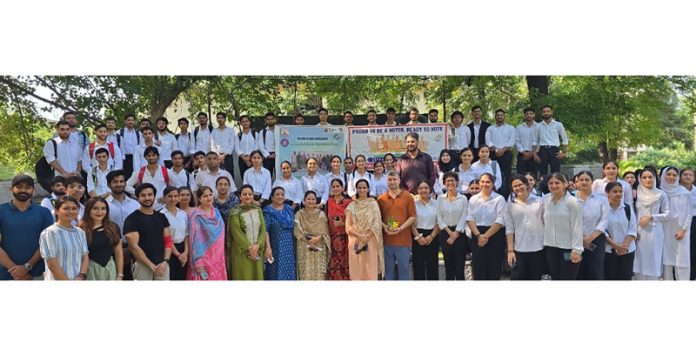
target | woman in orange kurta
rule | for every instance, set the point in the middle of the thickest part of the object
(335, 208)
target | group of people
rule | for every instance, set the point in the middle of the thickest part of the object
(173, 219)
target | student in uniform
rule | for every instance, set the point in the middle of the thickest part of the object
(595, 214)
(451, 219)
(686, 179)
(621, 234)
(675, 258)
(485, 218)
(563, 242)
(524, 227)
(652, 211)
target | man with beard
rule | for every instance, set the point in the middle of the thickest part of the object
(149, 238)
(371, 118)
(202, 133)
(58, 187)
(167, 142)
(433, 116)
(477, 130)
(552, 136)
(60, 154)
(154, 173)
(398, 210)
(89, 156)
(266, 143)
(21, 223)
(415, 166)
(130, 139)
(120, 206)
(222, 142)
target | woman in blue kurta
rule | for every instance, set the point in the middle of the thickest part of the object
(279, 224)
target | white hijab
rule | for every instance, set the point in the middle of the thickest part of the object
(647, 197)
(674, 189)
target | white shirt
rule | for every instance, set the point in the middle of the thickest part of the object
(341, 176)
(426, 214)
(378, 186)
(130, 140)
(66, 155)
(491, 167)
(292, 187)
(201, 142)
(178, 224)
(452, 213)
(100, 187)
(184, 143)
(157, 180)
(461, 138)
(261, 181)
(139, 159)
(477, 128)
(119, 211)
(524, 221)
(316, 183)
(599, 184)
(552, 134)
(180, 179)
(354, 177)
(168, 144)
(78, 140)
(266, 141)
(692, 199)
(113, 138)
(526, 137)
(465, 178)
(89, 162)
(222, 141)
(501, 136)
(207, 179)
(595, 212)
(326, 124)
(246, 144)
(619, 227)
(486, 212)
(563, 223)
(48, 204)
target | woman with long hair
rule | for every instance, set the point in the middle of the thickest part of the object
(563, 237)
(365, 242)
(63, 246)
(486, 165)
(652, 210)
(359, 173)
(280, 221)
(465, 172)
(524, 227)
(595, 217)
(630, 178)
(312, 237)
(250, 244)
(621, 235)
(336, 213)
(676, 261)
(485, 217)
(610, 171)
(179, 228)
(259, 178)
(206, 240)
(379, 180)
(103, 241)
(686, 179)
(389, 162)
(292, 187)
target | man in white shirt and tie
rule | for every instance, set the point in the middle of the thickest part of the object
(222, 142)
(553, 142)
(527, 134)
(500, 138)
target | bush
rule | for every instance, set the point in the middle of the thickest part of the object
(678, 157)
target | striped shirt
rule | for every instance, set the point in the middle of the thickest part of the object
(66, 245)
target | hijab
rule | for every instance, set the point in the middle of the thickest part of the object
(647, 197)
(674, 189)
(445, 167)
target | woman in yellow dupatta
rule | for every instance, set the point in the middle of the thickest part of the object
(365, 242)
(313, 244)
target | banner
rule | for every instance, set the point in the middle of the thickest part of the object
(297, 144)
(374, 142)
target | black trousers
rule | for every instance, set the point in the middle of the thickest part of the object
(692, 247)
(242, 167)
(128, 166)
(526, 165)
(548, 158)
(529, 266)
(269, 163)
(592, 264)
(487, 260)
(618, 268)
(455, 256)
(425, 261)
(177, 272)
(229, 165)
(560, 268)
(505, 163)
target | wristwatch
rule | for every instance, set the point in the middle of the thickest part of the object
(28, 266)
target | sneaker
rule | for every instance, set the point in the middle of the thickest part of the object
(546, 277)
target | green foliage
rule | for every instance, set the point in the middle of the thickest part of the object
(677, 156)
(22, 136)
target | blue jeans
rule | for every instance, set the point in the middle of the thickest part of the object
(396, 257)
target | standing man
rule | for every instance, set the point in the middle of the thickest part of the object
(149, 238)
(111, 133)
(266, 143)
(391, 117)
(500, 138)
(413, 117)
(63, 157)
(323, 117)
(433, 116)
(477, 130)
(459, 137)
(89, 158)
(527, 134)
(552, 135)
(120, 206)
(154, 173)
(371, 118)
(144, 122)
(222, 142)
(348, 118)
(348, 165)
(299, 119)
(179, 176)
(202, 134)
(208, 178)
(167, 141)
(78, 138)
(129, 142)
(398, 214)
(21, 223)
(139, 159)
(245, 143)
(96, 177)
(415, 166)
(184, 143)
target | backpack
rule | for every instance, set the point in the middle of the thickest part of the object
(122, 133)
(94, 175)
(44, 172)
(165, 174)
(110, 145)
(195, 132)
(253, 134)
(627, 210)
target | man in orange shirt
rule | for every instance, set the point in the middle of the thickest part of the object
(398, 214)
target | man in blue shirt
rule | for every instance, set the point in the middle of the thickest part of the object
(21, 223)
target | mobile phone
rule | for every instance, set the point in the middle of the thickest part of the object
(204, 274)
(591, 246)
(566, 256)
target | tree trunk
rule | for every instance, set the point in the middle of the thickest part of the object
(538, 86)
(603, 151)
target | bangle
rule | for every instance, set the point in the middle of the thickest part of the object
(82, 275)
(120, 275)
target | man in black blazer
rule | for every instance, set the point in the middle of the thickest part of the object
(477, 129)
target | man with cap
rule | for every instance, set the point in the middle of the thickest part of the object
(21, 223)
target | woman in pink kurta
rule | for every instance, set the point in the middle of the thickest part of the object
(206, 240)
(364, 228)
